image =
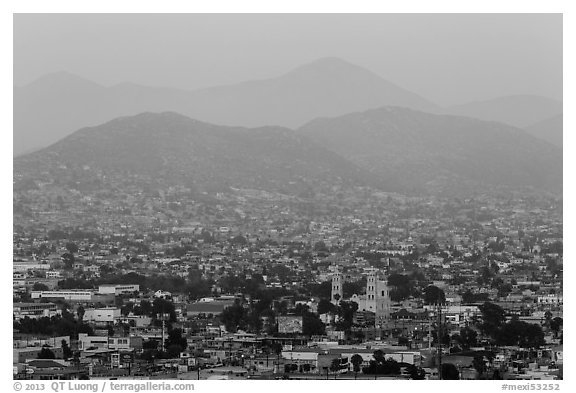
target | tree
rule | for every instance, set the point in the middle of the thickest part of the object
(493, 317)
(239, 240)
(381, 365)
(324, 306)
(450, 371)
(197, 287)
(401, 286)
(504, 289)
(80, 311)
(66, 351)
(312, 325)
(434, 295)
(232, 317)
(523, 334)
(127, 308)
(38, 286)
(68, 259)
(346, 312)
(163, 306)
(150, 344)
(467, 337)
(548, 317)
(239, 317)
(416, 372)
(335, 365)
(72, 247)
(479, 364)
(555, 325)
(352, 288)
(46, 353)
(75, 283)
(322, 290)
(173, 350)
(356, 361)
(283, 273)
(176, 340)
(379, 356)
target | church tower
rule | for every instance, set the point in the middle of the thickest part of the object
(337, 287)
(378, 297)
(382, 301)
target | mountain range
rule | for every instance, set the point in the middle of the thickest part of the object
(390, 148)
(161, 150)
(58, 104)
(416, 151)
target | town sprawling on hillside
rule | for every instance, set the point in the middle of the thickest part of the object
(185, 207)
(354, 283)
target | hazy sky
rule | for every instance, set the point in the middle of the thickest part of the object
(447, 58)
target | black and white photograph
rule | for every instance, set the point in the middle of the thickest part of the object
(286, 196)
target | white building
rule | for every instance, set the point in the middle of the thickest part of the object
(550, 299)
(53, 274)
(102, 315)
(118, 289)
(70, 294)
(27, 266)
(376, 300)
(35, 310)
(160, 294)
(86, 342)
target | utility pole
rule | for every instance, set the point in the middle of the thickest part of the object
(439, 346)
(163, 338)
(429, 334)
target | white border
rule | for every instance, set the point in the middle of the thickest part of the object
(297, 6)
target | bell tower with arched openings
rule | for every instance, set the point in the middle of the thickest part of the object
(337, 287)
(378, 296)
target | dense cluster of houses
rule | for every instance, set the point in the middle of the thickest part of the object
(505, 252)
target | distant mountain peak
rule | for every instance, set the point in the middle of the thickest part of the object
(333, 65)
(62, 78)
(328, 86)
(331, 61)
(165, 118)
